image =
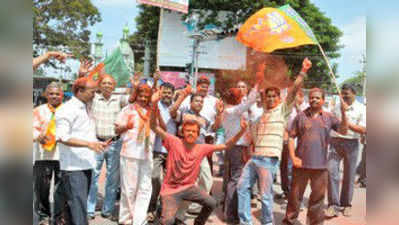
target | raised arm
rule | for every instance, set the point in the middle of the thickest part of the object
(219, 115)
(306, 65)
(183, 94)
(343, 127)
(46, 56)
(153, 118)
(357, 128)
(232, 141)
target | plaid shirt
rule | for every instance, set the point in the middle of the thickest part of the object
(105, 113)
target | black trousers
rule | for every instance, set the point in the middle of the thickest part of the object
(42, 174)
(234, 158)
(318, 183)
(75, 189)
(171, 203)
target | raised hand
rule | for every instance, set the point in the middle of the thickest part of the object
(60, 56)
(306, 65)
(344, 105)
(156, 75)
(188, 90)
(243, 124)
(219, 106)
(135, 80)
(260, 73)
(85, 67)
(156, 96)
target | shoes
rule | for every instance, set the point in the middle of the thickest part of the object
(151, 217)
(254, 203)
(194, 211)
(347, 211)
(179, 222)
(331, 211)
(282, 196)
(91, 217)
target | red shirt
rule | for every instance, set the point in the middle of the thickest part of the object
(182, 165)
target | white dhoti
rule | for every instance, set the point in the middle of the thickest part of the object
(136, 189)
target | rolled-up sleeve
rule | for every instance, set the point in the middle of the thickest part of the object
(63, 125)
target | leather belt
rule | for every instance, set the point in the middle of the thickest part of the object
(106, 139)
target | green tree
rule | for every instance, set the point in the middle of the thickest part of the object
(239, 11)
(61, 24)
(358, 81)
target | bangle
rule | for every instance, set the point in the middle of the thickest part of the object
(302, 73)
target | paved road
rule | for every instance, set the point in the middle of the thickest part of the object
(358, 209)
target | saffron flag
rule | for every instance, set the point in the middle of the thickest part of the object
(275, 28)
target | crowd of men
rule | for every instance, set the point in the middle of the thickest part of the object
(158, 143)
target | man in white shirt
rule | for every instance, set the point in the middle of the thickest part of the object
(45, 154)
(345, 147)
(160, 153)
(76, 136)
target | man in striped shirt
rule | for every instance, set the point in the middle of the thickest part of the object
(267, 133)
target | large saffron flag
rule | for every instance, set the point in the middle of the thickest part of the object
(275, 28)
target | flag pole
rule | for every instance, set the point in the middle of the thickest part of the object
(329, 67)
(159, 36)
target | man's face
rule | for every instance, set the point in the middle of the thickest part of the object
(87, 94)
(202, 89)
(243, 88)
(167, 96)
(348, 96)
(316, 100)
(54, 96)
(143, 98)
(190, 133)
(107, 86)
(272, 99)
(196, 104)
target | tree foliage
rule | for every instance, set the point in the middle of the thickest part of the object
(61, 24)
(239, 11)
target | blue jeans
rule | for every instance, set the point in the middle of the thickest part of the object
(111, 157)
(348, 150)
(262, 169)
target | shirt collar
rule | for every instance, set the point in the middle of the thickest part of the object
(78, 102)
(100, 96)
(308, 114)
(272, 110)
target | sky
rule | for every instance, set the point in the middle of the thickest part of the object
(348, 15)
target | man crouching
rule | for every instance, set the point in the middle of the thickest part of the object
(183, 166)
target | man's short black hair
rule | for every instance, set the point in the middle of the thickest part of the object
(349, 87)
(317, 90)
(195, 95)
(169, 86)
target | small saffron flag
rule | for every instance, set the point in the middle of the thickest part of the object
(275, 28)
